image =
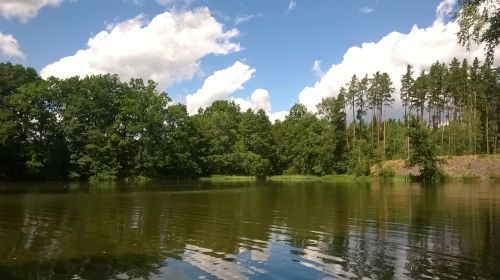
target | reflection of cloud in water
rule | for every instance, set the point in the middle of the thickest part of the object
(261, 256)
(259, 250)
(217, 266)
(314, 259)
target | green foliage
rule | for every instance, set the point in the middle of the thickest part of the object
(299, 142)
(102, 129)
(229, 179)
(360, 158)
(469, 178)
(479, 22)
(387, 171)
(423, 152)
(183, 143)
(13, 154)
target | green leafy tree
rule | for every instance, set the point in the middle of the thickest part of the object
(299, 136)
(218, 125)
(334, 137)
(423, 152)
(12, 150)
(37, 109)
(479, 22)
(255, 132)
(183, 143)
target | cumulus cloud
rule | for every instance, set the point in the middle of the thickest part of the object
(278, 116)
(219, 86)
(9, 47)
(25, 9)
(167, 49)
(420, 47)
(222, 84)
(444, 9)
(259, 99)
(366, 10)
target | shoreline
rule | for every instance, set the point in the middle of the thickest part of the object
(468, 168)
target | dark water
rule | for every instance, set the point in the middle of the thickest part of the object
(249, 230)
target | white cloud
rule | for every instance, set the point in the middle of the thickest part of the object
(444, 9)
(219, 86)
(280, 115)
(166, 49)
(222, 84)
(9, 47)
(259, 99)
(169, 3)
(241, 19)
(292, 5)
(317, 69)
(420, 47)
(366, 10)
(23, 10)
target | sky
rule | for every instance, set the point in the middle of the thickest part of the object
(262, 54)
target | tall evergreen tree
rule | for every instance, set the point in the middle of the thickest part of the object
(406, 92)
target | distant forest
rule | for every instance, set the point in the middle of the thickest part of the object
(99, 128)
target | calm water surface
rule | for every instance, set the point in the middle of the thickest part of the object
(249, 231)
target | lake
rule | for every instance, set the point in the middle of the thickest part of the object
(264, 230)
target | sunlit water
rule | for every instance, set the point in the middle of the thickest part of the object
(249, 231)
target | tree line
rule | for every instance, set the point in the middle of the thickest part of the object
(101, 128)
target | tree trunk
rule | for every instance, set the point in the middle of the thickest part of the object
(373, 125)
(422, 111)
(345, 130)
(354, 124)
(475, 122)
(487, 133)
(442, 128)
(449, 130)
(379, 118)
(406, 133)
(384, 140)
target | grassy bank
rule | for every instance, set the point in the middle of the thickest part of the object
(327, 178)
(467, 169)
(304, 178)
(229, 178)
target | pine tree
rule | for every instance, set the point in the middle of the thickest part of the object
(407, 91)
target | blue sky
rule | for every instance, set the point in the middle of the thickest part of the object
(262, 44)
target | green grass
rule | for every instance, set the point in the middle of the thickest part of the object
(229, 178)
(346, 178)
(470, 178)
(326, 178)
(400, 178)
(137, 179)
(305, 178)
(293, 178)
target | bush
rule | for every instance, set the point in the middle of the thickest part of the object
(387, 171)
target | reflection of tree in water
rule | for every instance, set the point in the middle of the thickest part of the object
(353, 230)
(94, 267)
(452, 238)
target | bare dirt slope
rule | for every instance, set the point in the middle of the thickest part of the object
(457, 166)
